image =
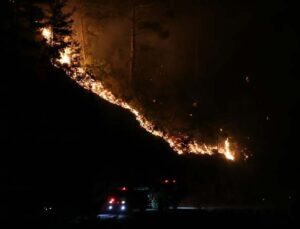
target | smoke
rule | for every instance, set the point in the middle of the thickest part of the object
(192, 62)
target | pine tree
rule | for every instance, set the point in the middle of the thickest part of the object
(60, 24)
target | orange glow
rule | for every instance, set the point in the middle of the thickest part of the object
(65, 57)
(228, 154)
(47, 34)
(176, 142)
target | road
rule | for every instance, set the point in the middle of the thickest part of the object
(198, 217)
(184, 216)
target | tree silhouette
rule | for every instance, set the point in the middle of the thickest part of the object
(61, 23)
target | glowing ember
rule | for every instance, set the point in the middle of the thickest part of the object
(226, 150)
(177, 143)
(47, 34)
(65, 56)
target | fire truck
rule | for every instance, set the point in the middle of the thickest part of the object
(165, 195)
(162, 195)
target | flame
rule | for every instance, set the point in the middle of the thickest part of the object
(65, 56)
(177, 143)
(47, 34)
(226, 150)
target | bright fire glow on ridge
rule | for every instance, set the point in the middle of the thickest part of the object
(97, 87)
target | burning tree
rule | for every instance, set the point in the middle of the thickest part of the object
(63, 49)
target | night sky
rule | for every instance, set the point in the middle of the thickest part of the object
(233, 65)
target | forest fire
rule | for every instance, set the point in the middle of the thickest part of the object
(179, 144)
(47, 34)
(65, 56)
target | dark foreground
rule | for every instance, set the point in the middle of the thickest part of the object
(196, 218)
(180, 218)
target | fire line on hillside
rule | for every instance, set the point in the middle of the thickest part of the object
(177, 143)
